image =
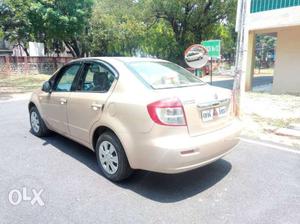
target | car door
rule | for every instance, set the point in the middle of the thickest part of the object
(86, 104)
(54, 104)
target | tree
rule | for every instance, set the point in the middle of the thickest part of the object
(56, 21)
(225, 31)
(116, 28)
(191, 20)
(14, 24)
(159, 28)
(52, 22)
(159, 41)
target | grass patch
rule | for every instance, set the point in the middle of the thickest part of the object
(21, 83)
(264, 113)
(279, 123)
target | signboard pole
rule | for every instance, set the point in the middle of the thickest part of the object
(211, 67)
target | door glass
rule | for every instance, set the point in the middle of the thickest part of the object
(96, 78)
(65, 81)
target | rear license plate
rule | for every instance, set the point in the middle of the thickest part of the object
(221, 111)
(207, 115)
(211, 114)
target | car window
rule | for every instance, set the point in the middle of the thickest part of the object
(96, 78)
(162, 75)
(65, 81)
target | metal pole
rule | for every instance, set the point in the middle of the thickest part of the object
(211, 65)
(239, 52)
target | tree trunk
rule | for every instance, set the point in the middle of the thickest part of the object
(24, 48)
(69, 46)
(26, 51)
(75, 46)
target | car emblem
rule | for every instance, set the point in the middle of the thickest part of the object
(216, 96)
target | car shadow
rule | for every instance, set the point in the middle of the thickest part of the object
(168, 188)
(164, 188)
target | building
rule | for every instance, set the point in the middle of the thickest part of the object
(275, 17)
(4, 48)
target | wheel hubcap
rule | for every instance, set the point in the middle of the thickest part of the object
(35, 123)
(108, 157)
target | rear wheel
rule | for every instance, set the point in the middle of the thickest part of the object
(38, 127)
(111, 157)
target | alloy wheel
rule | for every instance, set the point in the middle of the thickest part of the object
(35, 122)
(108, 157)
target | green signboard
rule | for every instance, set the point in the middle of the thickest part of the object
(213, 47)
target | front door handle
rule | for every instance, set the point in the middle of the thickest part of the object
(63, 101)
(96, 106)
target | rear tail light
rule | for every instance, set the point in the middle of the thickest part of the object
(167, 112)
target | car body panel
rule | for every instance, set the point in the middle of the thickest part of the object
(89, 104)
(165, 153)
(54, 107)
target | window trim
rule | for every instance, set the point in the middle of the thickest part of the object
(101, 63)
(59, 74)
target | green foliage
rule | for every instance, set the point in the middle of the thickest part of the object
(57, 21)
(14, 23)
(161, 28)
(1, 33)
(50, 21)
(159, 41)
(116, 28)
(192, 20)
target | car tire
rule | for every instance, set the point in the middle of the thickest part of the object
(38, 126)
(111, 157)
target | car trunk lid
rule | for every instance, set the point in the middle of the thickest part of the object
(206, 108)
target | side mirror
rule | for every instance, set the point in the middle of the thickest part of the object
(47, 87)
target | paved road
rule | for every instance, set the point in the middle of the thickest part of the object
(254, 184)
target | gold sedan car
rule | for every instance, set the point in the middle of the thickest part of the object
(137, 113)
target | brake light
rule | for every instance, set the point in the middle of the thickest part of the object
(167, 112)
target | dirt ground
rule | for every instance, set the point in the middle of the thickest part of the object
(263, 114)
(11, 84)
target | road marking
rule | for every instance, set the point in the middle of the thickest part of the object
(282, 148)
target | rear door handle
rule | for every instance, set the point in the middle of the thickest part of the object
(96, 106)
(63, 101)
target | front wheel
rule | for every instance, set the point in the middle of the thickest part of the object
(38, 127)
(111, 157)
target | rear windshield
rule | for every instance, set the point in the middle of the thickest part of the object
(161, 75)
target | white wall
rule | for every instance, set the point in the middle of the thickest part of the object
(36, 49)
(273, 18)
(286, 23)
(287, 65)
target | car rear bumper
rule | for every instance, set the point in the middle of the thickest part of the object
(180, 153)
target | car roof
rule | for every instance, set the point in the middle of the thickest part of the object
(120, 59)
